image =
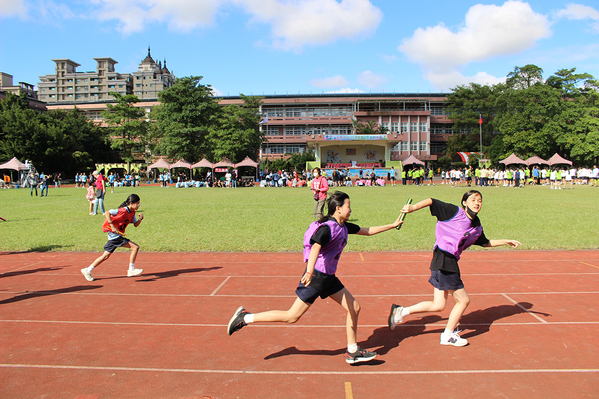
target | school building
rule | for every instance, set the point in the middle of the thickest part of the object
(413, 124)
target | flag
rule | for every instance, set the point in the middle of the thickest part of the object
(480, 119)
(265, 120)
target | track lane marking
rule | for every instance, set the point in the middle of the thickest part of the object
(295, 372)
(220, 286)
(348, 391)
(584, 263)
(524, 309)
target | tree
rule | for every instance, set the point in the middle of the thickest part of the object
(235, 134)
(467, 104)
(56, 141)
(368, 128)
(128, 124)
(185, 117)
(522, 78)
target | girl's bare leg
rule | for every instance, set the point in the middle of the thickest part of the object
(349, 303)
(101, 259)
(436, 305)
(461, 303)
(292, 315)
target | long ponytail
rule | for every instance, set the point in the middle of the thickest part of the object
(133, 198)
(336, 199)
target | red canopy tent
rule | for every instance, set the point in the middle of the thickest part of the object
(14, 164)
(412, 160)
(225, 163)
(536, 160)
(512, 159)
(204, 163)
(160, 164)
(247, 162)
(558, 160)
(181, 164)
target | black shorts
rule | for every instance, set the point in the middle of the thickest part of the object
(445, 281)
(322, 285)
(111, 245)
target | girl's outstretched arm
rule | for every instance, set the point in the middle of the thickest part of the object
(139, 219)
(498, 243)
(370, 231)
(413, 208)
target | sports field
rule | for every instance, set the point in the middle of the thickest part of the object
(274, 219)
(531, 325)
(532, 328)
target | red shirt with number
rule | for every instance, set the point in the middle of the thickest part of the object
(121, 220)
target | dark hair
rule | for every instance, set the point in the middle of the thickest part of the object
(468, 194)
(318, 169)
(133, 198)
(336, 199)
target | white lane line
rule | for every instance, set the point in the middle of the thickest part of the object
(220, 286)
(296, 372)
(524, 309)
(117, 323)
(23, 267)
(50, 292)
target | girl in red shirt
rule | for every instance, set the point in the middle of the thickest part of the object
(116, 222)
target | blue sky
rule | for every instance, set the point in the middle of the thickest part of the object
(305, 46)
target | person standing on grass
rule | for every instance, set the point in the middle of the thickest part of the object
(323, 244)
(457, 229)
(319, 188)
(115, 224)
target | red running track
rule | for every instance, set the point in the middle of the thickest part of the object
(532, 324)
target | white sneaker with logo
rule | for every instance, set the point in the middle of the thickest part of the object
(453, 339)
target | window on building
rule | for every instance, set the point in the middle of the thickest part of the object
(404, 127)
(413, 126)
(404, 146)
(395, 126)
(423, 126)
(414, 146)
(295, 130)
(438, 148)
(385, 125)
(423, 146)
(272, 131)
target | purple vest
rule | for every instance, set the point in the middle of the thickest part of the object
(456, 234)
(330, 253)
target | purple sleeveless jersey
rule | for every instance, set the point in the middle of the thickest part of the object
(330, 253)
(456, 234)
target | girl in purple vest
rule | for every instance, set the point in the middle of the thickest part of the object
(457, 229)
(323, 243)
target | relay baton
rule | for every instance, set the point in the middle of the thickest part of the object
(403, 215)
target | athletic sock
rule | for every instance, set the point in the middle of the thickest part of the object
(447, 332)
(405, 312)
(352, 348)
(90, 268)
(248, 318)
(131, 266)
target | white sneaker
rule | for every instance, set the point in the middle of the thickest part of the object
(453, 339)
(87, 274)
(395, 316)
(134, 272)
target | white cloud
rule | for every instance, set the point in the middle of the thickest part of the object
(346, 90)
(8, 8)
(577, 12)
(180, 15)
(335, 81)
(389, 58)
(294, 23)
(454, 78)
(371, 80)
(488, 31)
(298, 23)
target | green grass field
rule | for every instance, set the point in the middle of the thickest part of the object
(274, 219)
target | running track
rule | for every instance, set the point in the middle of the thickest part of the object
(533, 328)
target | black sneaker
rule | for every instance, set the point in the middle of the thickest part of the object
(360, 355)
(237, 323)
